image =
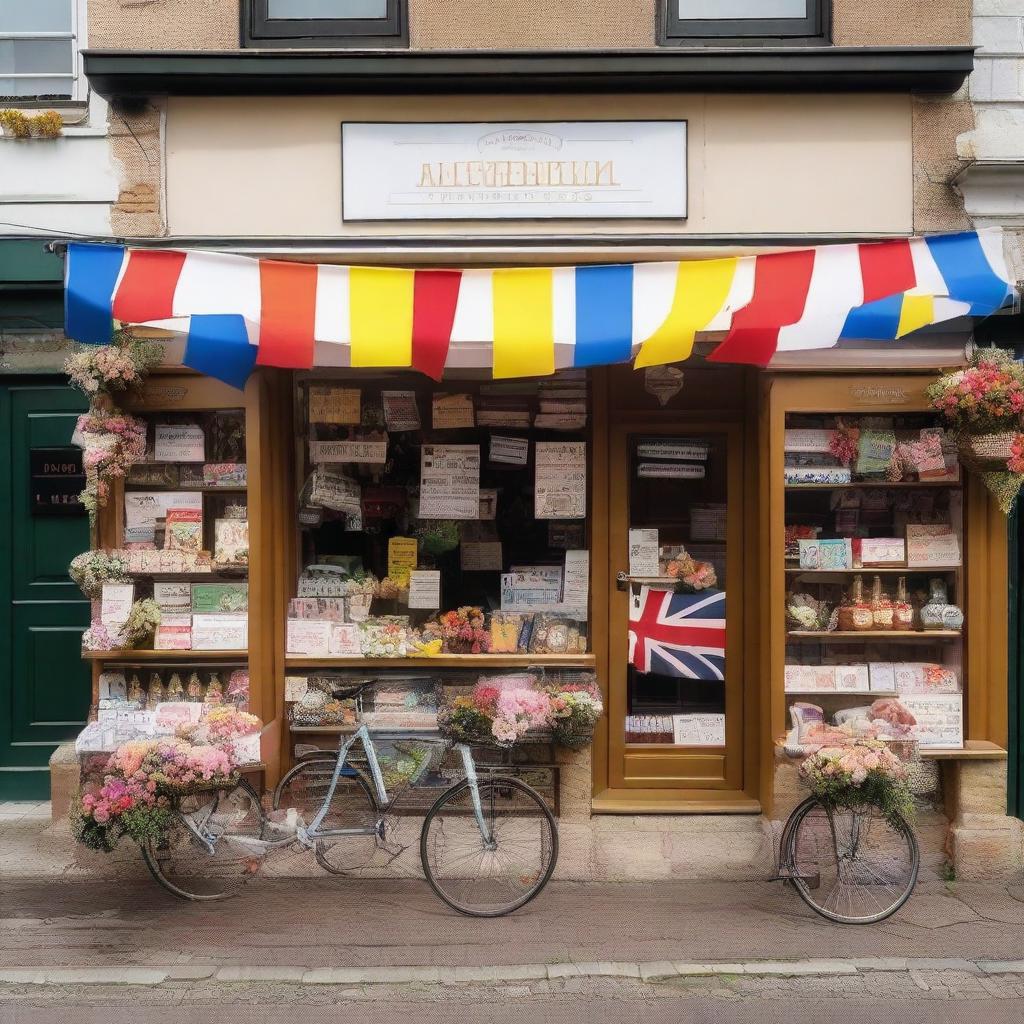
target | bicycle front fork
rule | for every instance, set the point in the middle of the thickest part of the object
(469, 767)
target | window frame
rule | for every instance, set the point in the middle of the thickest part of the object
(816, 28)
(260, 30)
(79, 83)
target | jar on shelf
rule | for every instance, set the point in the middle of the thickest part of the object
(902, 609)
(882, 612)
(855, 613)
(938, 613)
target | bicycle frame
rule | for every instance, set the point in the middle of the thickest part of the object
(309, 834)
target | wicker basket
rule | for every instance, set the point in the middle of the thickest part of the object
(988, 449)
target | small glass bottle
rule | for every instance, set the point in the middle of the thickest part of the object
(155, 690)
(215, 690)
(881, 607)
(136, 695)
(902, 609)
(175, 691)
(855, 613)
(938, 613)
(194, 690)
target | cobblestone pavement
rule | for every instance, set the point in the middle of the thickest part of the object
(364, 950)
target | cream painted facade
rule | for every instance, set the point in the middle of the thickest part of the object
(757, 165)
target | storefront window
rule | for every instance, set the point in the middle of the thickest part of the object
(874, 580)
(678, 496)
(442, 521)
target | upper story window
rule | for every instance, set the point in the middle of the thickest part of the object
(700, 20)
(323, 22)
(39, 51)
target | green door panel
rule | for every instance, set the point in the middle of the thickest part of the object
(45, 686)
(42, 417)
(51, 684)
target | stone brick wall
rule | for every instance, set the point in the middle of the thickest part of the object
(136, 144)
(517, 24)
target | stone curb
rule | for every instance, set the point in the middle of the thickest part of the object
(653, 971)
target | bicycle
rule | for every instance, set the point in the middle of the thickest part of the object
(487, 847)
(853, 865)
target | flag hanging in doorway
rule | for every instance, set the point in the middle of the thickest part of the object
(524, 322)
(678, 634)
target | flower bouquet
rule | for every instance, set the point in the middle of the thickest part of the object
(138, 629)
(464, 631)
(575, 710)
(226, 727)
(691, 574)
(805, 612)
(137, 785)
(113, 442)
(501, 714)
(115, 367)
(859, 773)
(984, 406)
(91, 569)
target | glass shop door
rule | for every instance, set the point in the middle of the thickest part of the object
(675, 687)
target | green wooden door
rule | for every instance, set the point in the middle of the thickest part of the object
(44, 684)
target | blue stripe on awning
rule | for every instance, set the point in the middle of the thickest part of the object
(218, 345)
(89, 290)
(604, 315)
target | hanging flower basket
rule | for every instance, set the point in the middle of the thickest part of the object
(988, 450)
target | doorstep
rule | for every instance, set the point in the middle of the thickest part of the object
(672, 801)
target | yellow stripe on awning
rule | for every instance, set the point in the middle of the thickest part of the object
(916, 311)
(524, 336)
(380, 315)
(702, 286)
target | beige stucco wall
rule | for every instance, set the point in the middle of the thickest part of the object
(757, 164)
(513, 24)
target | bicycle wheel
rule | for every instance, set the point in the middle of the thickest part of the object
(483, 879)
(305, 788)
(184, 866)
(851, 865)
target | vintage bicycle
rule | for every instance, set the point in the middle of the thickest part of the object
(855, 864)
(487, 846)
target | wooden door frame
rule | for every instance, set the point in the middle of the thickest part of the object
(612, 793)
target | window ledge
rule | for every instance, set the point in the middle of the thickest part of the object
(933, 69)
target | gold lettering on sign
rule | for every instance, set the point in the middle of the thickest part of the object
(879, 394)
(518, 174)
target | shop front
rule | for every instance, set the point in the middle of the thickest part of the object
(678, 455)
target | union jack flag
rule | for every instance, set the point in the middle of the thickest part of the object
(678, 634)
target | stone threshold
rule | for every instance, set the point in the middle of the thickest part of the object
(651, 971)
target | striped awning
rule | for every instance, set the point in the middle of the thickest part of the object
(239, 312)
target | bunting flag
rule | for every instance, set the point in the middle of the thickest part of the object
(531, 321)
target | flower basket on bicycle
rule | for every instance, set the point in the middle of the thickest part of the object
(507, 710)
(849, 849)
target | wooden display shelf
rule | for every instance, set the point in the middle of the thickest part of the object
(972, 750)
(842, 693)
(197, 488)
(447, 661)
(872, 483)
(128, 655)
(867, 570)
(875, 634)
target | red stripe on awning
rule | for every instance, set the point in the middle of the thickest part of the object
(435, 296)
(287, 314)
(146, 291)
(886, 268)
(781, 281)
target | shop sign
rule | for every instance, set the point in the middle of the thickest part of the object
(56, 478)
(513, 171)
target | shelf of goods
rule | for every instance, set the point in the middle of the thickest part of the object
(863, 694)
(170, 657)
(875, 634)
(479, 661)
(876, 484)
(873, 570)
